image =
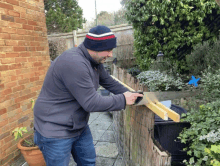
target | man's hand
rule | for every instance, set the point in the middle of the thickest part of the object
(131, 97)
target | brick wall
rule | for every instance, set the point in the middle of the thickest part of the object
(24, 60)
(134, 131)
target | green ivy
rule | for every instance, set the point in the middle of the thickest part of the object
(172, 27)
(202, 121)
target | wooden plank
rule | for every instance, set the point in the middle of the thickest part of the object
(171, 114)
(123, 84)
(157, 110)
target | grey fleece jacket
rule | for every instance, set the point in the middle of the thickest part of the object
(69, 94)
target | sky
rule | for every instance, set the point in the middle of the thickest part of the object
(88, 7)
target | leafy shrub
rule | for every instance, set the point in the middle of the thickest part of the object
(210, 85)
(134, 71)
(204, 55)
(165, 66)
(56, 47)
(173, 27)
(157, 81)
(214, 154)
(202, 121)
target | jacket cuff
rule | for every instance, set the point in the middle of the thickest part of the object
(125, 101)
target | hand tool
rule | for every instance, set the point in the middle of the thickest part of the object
(151, 100)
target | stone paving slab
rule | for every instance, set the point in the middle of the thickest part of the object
(119, 162)
(111, 127)
(106, 149)
(97, 134)
(108, 136)
(100, 125)
(102, 161)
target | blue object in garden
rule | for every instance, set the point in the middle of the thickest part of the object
(194, 81)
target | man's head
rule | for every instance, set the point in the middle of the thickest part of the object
(100, 42)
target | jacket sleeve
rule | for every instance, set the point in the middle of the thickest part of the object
(109, 83)
(75, 76)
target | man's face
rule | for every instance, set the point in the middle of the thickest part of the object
(101, 56)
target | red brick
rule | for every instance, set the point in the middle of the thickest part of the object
(3, 111)
(11, 43)
(34, 79)
(21, 31)
(2, 42)
(19, 20)
(10, 55)
(2, 56)
(37, 64)
(15, 66)
(40, 48)
(32, 23)
(31, 49)
(13, 13)
(11, 84)
(39, 39)
(13, 78)
(19, 49)
(6, 6)
(15, 25)
(30, 33)
(4, 135)
(23, 43)
(18, 88)
(28, 27)
(29, 38)
(9, 30)
(25, 54)
(25, 92)
(5, 36)
(6, 49)
(42, 68)
(15, 118)
(18, 60)
(8, 60)
(13, 2)
(37, 29)
(2, 86)
(17, 37)
(24, 15)
(28, 96)
(24, 81)
(6, 92)
(36, 88)
(35, 43)
(7, 18)
(14, 107)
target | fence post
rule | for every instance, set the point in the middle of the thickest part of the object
(75, 38)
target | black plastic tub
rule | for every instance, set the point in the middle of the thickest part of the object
(166, 132)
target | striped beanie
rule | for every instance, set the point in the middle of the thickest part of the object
(100, 38)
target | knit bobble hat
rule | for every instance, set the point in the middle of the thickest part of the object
(100, 38)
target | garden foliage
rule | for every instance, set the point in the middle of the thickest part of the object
(204, 55)
(63, 16)
(203, 122)
(210, 85)
(56, 47)
(171, 26)
(158, 81)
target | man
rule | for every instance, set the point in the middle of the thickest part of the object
(69, 94)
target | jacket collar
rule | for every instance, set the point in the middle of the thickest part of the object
(87, 56)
